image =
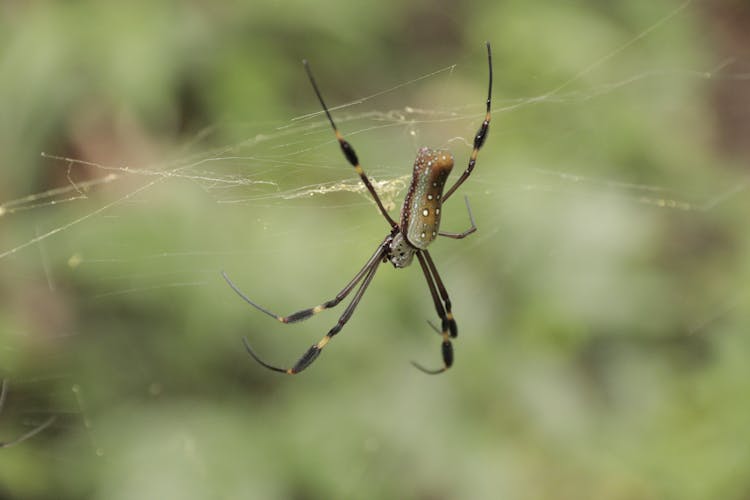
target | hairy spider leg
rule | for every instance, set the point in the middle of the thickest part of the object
(307, 313)
(348, 150)
(480, 136)
(443, 307)
(314, 351)
(472, 229)
(451, 324)
(449, 329)
(23, 437)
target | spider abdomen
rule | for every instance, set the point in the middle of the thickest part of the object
(420, 214)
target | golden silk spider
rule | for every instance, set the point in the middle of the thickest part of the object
(419, 226)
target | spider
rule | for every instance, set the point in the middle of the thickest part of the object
(419, 226)
(28, 435)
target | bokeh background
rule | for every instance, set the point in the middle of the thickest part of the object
(602, 305)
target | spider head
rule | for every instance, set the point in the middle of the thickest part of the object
(400, 252)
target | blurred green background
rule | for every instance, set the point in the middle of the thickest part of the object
(602, 305)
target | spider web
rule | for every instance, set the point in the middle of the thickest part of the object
(282, 213)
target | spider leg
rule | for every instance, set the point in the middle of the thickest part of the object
(443, 308)
(28, 435)
(348, 151)
(472, 229)
(443, 295)
(307, 313)
(480, 136)
(314, 351)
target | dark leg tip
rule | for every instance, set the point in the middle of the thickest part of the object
(427, 370)
(258, 360)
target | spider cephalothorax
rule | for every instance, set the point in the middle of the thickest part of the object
(419, 226)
